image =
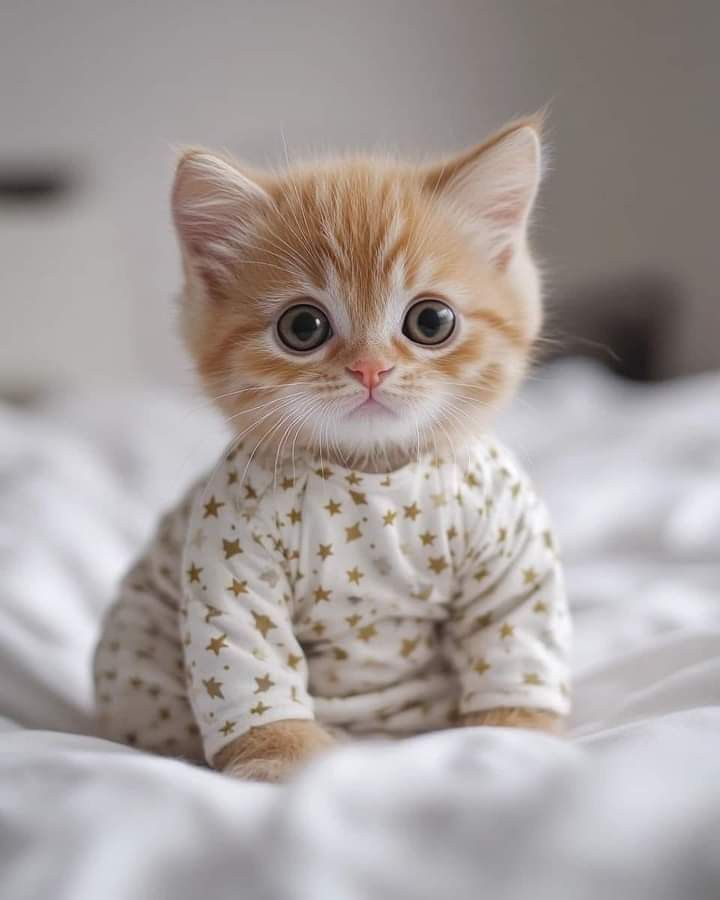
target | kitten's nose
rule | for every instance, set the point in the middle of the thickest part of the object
(369, 372)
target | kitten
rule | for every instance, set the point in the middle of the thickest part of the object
(359, 322)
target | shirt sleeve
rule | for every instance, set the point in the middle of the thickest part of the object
(509, 632)
(243, 664)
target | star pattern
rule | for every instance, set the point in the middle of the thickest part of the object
(212, 508)
(423, 565)
(231, 548)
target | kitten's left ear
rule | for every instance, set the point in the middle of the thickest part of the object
(495, 185)
(215, 208)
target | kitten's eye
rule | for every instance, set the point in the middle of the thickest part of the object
(429, 322)
(303, 327)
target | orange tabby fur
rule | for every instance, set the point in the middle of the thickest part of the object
(361, 237)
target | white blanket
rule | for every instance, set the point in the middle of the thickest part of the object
(628, 808)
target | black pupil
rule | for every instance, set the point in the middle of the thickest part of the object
(305, 326)
(431, 320)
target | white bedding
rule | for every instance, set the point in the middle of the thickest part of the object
(628, 808)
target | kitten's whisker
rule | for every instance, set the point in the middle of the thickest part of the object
(275, 400)
(294, 417)
(267, 387)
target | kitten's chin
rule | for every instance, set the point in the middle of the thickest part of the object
(371, 409)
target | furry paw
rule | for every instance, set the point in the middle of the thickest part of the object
(273, 752)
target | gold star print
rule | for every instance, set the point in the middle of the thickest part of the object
(333, 507)
(412, 511)
(408, 646)
(529, 576)
(136, 683)
(427, 538)
(471, 480)
(354, 575)
(438, 500)
(367, 633)
(217, 644)
(484, 620)
(250, 492)
(212, 507)
(212, 613)
(515, 489)
(340, 654)
(532, 678)
(359, 498)
(436, 462)
(263, 623)
(353, 620)
(481, 573)
(548, 540)
(320, 594)
(353, 533)
(324, 550)
(228, 728)
(353, 478)
(540, 607)
(232, 477)
(451, 533)
(389, 517)
(294, 516)
(386, 482)
(507, 631)
(481, 666)
(293, 660)
(502, 535)
(263, 684)
(193, 573)
(213, 688)
(437, 564)
(259, 708)
(231, 548)
(287, 483)
(324, 473)
(459, 499)
(238, 587)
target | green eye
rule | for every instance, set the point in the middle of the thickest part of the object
(429, 322)
(303, 327)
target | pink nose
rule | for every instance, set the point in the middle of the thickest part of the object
(369, 372)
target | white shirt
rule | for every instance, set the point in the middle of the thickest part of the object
(372, 602)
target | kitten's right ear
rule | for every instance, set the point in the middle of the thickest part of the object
(215, 208)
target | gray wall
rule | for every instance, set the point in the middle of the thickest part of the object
(111, 87)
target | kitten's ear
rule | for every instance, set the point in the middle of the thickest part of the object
(215, 208)
(495, 185)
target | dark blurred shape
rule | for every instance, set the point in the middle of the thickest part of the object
(627, 324)
(36, 182)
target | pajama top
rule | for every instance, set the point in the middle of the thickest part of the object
(372, 602)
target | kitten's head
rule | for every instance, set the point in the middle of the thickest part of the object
(364, 308)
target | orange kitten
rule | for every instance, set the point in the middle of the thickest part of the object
(359, 322)
(361, 239)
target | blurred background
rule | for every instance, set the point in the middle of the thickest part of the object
(97, 95)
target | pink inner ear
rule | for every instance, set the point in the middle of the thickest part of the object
(509, 209)
(502, 260)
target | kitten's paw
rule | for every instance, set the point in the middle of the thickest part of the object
(273, 752)
(515, 717)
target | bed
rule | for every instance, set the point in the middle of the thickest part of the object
(627, 807)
